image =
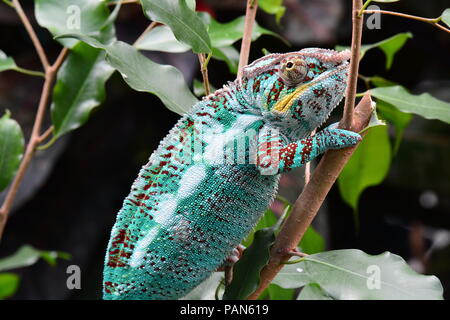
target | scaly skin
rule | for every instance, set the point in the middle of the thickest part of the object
(212, 177)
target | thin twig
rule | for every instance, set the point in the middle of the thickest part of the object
(310, 200)
(250, 14)
(324, 176)
(37, 44)
(204, 69)
(432, 21)
(34, 141)
(357, 24)
(46, 134)
(150, 27)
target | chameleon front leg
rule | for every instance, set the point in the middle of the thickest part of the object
(274, 156)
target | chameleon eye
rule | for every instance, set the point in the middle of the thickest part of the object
(293, 71)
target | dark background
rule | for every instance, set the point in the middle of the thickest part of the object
(72, 191)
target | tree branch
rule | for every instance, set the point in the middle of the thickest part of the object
(204, 69)
(326, 173)
(432, 21)
(350, 93)
(34, 141)
(37, 44)
(250, 14)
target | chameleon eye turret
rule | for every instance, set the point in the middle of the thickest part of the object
(293, 71)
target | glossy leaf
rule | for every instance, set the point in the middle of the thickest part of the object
(161, 38)
(351, 274)
(367, 167)
(88, 17)
(313, 291)
(11, 149)
(389, 46)
(9, 283)
(79, 88)
(273, 7)
(267, 221)
(142, 74)
(27, 256)
(277, 293)
(400, 120)
(291, 276)
(445, 16)
(423, 105)
(246, 271)
(6, 63)
(184, 22)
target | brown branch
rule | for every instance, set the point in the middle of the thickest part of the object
(204, 70)
(310, 200)
(149, 28)
(350, 94)
(37, 44)
(250, 14)
(326, 173)
(432, 21)
(34, 141)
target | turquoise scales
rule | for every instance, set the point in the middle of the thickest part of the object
(195, 201)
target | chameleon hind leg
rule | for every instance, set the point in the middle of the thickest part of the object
(274, 156)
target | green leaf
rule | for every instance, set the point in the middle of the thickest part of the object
(88, 17)
(277, 293)
(267, 221)
(225, 34)
(312, 242)
(313, 291)
(229, 55)
(445, 16)
(389, 46)
(246, 271)
(142, 74)
(9, 283)
(199, 88)
(6, 63)
(27, 256)
(79, 88)
(184, 22)
(161, 38)
(400, 120)
(367, 167)
(11, 149)
(351, 274)
(423, 105)
(273, 7)
(378, 81)
(291, 276)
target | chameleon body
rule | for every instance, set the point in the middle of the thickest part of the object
(195, 200)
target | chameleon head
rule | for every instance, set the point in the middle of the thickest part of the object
(298, 89)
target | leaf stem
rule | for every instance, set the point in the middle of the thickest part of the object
(322, 179)
(37, 44)
(432, 21)
(30, 72)
(204, 69)
(150, 27)
(9, 3)
(250, 14)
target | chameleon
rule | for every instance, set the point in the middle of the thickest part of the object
(202, 192)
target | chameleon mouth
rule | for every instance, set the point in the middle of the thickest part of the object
(286, 103)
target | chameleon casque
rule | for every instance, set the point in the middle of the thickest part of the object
(193, 202)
